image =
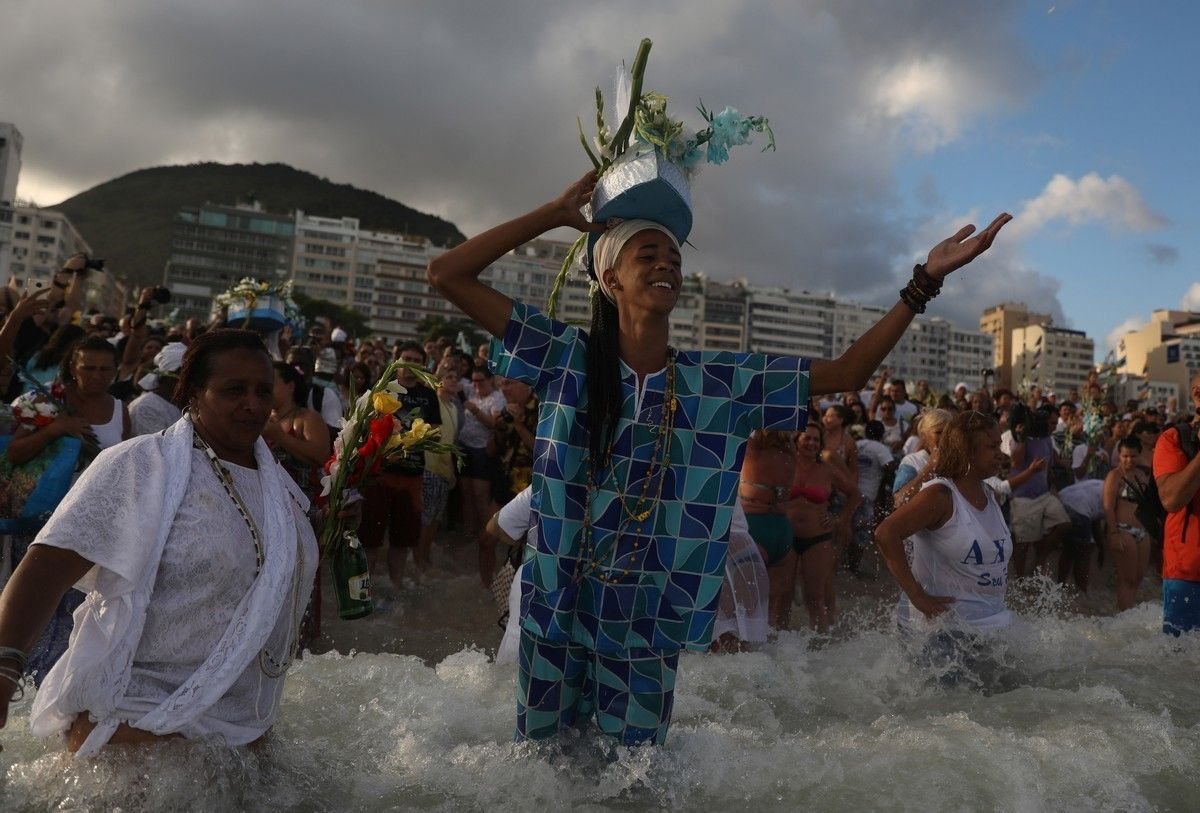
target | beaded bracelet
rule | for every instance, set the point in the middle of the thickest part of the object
(920, 289)
(914, 298)
(926, 280)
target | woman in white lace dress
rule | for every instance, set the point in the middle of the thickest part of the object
(195, 553)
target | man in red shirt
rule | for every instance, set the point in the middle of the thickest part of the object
(1177, 474)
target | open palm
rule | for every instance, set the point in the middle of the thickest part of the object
(955, 252)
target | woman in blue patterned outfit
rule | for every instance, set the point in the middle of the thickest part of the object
(637, 457)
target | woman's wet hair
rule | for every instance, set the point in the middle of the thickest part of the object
(199, 360)
(94, 344)
(958, 442)
(291, 375)
(1131, 442)
(815, 426)
(845, 414)
(603, 380)
(772, 440)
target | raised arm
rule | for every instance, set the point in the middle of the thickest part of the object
(455, 274)
(852, 369)
(139, 332)
(30, 304)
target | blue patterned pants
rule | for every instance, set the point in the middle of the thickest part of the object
(560, 685)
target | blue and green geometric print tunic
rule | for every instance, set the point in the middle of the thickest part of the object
(668, 600)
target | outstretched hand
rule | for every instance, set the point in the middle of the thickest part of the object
(570, 203)
(955, 252)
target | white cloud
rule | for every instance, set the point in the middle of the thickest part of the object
(1113, 340)
(1112, 201)
(935, 97)
(1191, 299)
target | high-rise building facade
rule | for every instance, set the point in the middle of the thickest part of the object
(215, 246)
(11, 144)
(1054, 358)
(787, 322)
(10, 173)
(42, 241)
(999, 321)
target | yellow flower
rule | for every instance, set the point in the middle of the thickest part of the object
(392, 443)
(419, 432)
(385, 402)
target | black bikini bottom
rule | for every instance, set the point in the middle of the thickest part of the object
(802, 543)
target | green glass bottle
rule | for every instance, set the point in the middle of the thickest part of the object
(352, 578)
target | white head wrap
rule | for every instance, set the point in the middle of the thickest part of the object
(168, 360)
(609, 246)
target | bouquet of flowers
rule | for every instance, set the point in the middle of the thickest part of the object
(249, 295)
(34, 409)
(374, 432)
(41, 405)
(646, 121)
(30, 491)
(646, 160)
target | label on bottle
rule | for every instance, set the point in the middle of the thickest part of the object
(359, 587)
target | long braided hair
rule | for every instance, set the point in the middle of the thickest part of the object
(603, 380)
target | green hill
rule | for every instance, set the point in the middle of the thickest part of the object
(128, 220)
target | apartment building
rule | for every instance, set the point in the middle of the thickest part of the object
(1054, 358)
(1165, 351)
(42, 241)
(214, 246)
(999, 322)
(11, 144)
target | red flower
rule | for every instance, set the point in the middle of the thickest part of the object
(381, 428)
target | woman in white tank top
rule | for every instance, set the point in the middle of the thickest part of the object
(961, 544)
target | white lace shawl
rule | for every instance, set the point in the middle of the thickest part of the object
(119, 515)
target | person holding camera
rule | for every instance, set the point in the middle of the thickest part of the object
(130, 342)
(1177, 474)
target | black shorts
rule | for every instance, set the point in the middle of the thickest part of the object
(476, 464)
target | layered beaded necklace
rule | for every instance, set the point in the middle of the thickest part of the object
(644, 508)
(267, 663)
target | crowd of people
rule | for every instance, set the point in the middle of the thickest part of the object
(80, 383)
(956, 493)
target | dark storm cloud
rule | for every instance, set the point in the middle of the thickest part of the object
(468, 110)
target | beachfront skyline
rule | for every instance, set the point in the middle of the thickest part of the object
(896, 123)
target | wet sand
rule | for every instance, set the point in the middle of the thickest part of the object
(449, 610)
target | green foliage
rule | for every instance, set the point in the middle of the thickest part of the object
(431, 328)
(128, 220)
(353, 322)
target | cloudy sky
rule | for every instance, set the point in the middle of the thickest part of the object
(897, 122)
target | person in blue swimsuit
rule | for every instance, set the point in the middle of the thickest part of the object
(637, 456)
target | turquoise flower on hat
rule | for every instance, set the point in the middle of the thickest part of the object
(717, 153)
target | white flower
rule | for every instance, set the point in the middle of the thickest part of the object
(396, 388)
